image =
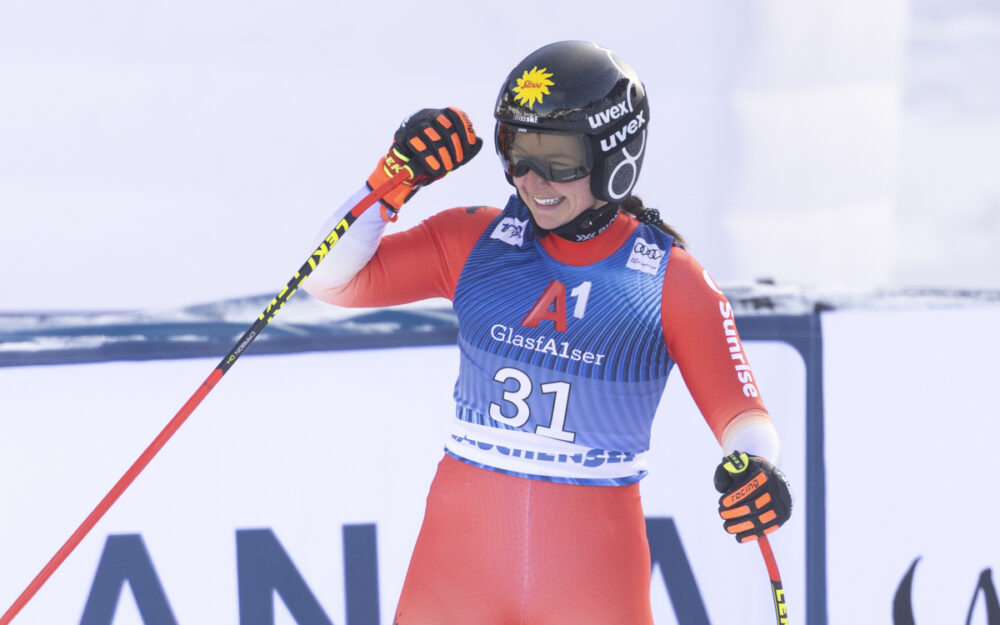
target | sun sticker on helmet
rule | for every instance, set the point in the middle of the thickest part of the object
(532, 86)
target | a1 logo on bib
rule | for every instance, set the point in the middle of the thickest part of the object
(510, 231)
(645, 256)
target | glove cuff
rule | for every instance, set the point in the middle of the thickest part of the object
(387, 167)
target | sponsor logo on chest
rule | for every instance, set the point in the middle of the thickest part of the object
(645, 256)
(511, 231)
(544, 345)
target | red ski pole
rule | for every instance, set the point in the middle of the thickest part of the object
(241, 345)
(780, 611)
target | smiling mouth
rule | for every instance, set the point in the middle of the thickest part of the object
(547, 201)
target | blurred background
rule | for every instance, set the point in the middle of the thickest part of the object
(161, 154)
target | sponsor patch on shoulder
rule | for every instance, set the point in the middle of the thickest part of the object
(510, 230)
(645, 256)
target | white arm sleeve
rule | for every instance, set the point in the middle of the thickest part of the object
(752, 432)
(351, 252)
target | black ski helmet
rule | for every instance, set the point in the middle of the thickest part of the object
(580, 87)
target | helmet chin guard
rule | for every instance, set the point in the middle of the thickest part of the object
(580, 87)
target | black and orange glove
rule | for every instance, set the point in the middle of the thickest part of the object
(756, 499)
(428, 144)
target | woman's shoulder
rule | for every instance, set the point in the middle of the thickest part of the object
(685, 272)
(460, 222)
(465, 216)
(682, 256)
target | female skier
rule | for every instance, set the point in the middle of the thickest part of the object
(573, 304)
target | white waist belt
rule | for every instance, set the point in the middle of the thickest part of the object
(532, 455)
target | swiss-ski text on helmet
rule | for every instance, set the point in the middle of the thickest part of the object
(608, 115)
(528, 119)
(620, 135)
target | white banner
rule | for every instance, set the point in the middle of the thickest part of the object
(911, 436)
(288, 454)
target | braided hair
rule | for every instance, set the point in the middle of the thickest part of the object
(633, 205)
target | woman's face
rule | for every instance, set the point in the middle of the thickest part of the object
(554, 204)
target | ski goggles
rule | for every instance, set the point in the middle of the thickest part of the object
(555, 156)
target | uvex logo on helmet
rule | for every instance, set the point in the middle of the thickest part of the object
(622, 134)
(609, 115)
